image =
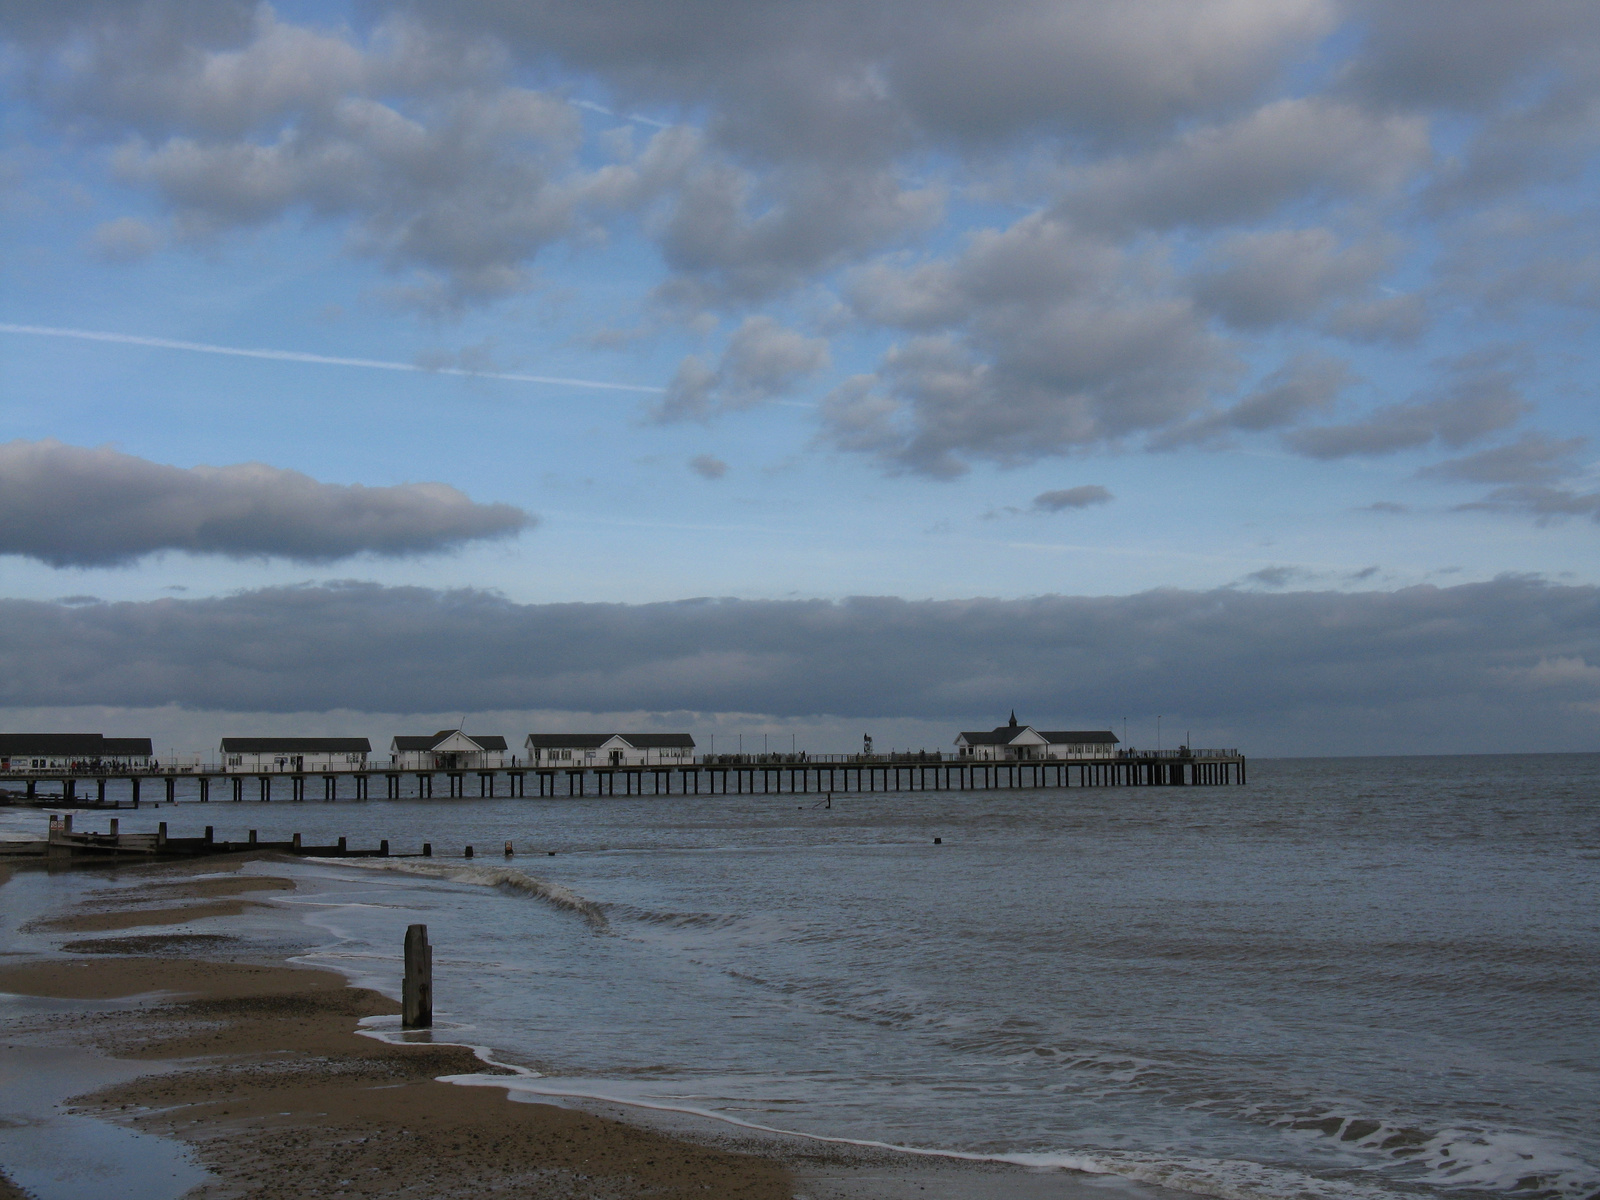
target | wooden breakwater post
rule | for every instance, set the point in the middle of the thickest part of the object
(416, 993)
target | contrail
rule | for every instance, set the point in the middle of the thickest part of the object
(130, 339)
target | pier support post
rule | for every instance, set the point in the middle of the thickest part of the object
(416, 992)
(172, 788)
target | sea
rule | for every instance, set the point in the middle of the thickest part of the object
(1357, 977)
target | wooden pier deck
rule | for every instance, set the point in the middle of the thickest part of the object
(774, 776)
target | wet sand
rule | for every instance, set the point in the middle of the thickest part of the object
(280, 1097)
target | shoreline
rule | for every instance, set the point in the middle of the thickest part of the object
(262, 1070)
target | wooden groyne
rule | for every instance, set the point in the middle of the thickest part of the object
(65, 843)
(777, 775)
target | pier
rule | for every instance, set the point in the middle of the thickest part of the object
(725, 776)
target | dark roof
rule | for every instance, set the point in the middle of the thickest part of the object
(72, 745)
(999, 737)
(591, 741)
(1002, 735)
(564, 741)
(294, 745)
(427, 741)
(658, 741)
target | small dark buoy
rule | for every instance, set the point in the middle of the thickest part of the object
(427, 849)
(469, 851)
(938, 841)
(552, 854)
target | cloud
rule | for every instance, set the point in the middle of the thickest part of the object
(1547, 505)
(1034, 341)
(1278, 577)
(1534, 458)
(124, 240)
(817, 80)
(1482, 398)
(1086, 496)
(1305, 385)
(1336, 663)
(1245, 170)
(735, 237)
(708, 466)
(74, 507)
(761, 362)
(1258, 280)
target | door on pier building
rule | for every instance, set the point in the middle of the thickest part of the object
(616, 758)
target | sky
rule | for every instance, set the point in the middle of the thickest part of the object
(793, 371)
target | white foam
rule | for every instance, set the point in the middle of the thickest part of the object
(485, 876)
(1227, 1179)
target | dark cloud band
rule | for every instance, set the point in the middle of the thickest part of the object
(1508, 659)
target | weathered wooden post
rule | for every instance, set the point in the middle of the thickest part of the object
(416, 993)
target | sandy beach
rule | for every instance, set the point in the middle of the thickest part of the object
(278, 1096)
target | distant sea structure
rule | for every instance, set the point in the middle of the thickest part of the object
(449, 750)
(609, 749)
(61, 751)
(294, 754)
(1023, 743)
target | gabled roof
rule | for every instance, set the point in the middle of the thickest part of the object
(568, 741)
(427, 741)
(1005, 735)
(296, 745)
(593, 741)
(979, 737)
(72, 745)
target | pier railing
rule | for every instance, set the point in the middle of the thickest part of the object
(379, 765)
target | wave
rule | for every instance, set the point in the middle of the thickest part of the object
(676, 920)
(507, 878)
(1225, 1179)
